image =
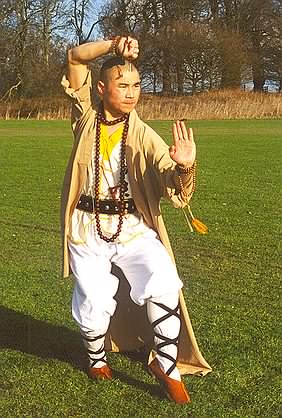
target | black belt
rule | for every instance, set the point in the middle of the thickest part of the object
(110, 207)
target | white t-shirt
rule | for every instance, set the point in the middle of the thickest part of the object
(133, 224)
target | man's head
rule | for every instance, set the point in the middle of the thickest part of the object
(118, 87)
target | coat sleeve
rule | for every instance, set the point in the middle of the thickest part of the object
(170, 185)
(81, 99)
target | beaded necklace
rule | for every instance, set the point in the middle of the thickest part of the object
(120, 202)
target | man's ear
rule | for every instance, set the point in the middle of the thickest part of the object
(101, 88)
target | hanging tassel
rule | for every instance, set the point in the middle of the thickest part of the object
(199, 226)
(195, 224)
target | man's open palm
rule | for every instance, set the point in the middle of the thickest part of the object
(183, 150)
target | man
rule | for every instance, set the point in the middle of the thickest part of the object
(118, 172)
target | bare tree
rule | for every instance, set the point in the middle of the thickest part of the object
(85, 18)
(186, 45)
(245, 28)
(51, 20)
(29, 38)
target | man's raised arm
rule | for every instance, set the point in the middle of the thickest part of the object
(80, 56)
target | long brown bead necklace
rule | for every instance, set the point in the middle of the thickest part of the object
(120, 202)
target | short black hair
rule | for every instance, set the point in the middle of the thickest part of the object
(111, 63)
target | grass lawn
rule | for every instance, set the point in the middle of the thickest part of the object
(231, 281)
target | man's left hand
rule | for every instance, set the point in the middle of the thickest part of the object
(183, 150)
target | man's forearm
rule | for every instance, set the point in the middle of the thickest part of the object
(85, 53)
(80, 56)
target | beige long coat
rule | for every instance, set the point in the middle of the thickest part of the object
(152, 176)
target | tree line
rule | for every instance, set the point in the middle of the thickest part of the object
(187, 46)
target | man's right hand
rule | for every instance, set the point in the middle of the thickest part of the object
(128, 48)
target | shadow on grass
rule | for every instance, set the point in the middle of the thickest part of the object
(26, 334)
(139, 356)
(154, 389)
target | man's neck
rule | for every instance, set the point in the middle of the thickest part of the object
(110, 116)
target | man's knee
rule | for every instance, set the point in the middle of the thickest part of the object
(93, 316)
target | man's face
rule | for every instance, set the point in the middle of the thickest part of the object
(120, 92)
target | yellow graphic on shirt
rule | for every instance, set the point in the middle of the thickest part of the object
(108, 163)
(81, 224)
(108, 142)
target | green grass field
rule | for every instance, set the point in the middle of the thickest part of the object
(231, 281)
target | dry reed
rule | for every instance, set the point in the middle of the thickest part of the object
(222, 104)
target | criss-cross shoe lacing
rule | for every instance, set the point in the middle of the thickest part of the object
(174, 389)
(96, 356)
(165, 341)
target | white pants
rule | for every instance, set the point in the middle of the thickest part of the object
(145, 263)
(150, 272)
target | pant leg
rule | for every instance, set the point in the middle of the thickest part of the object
(93, 301)
(154, 280)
